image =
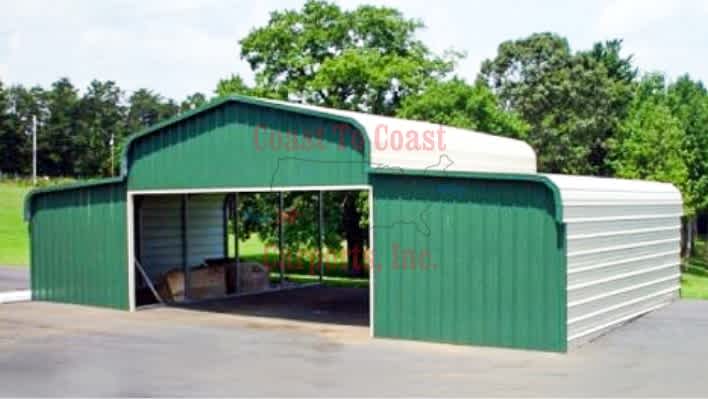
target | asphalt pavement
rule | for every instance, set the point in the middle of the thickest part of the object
(51, 349)
(14, 278)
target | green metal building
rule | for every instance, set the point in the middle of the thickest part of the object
(470, 245)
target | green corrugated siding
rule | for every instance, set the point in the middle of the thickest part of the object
(78, 248)
(217, 148)
(498, 252)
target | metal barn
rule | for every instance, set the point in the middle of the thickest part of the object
(511, 257)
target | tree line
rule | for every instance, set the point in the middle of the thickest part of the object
(588, 111)
(75, 130)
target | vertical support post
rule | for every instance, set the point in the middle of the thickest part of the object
(185, 246)
(112, 144)
(236, 248)
(236, 221)
(281, 258)
(130, 219)
(226, 214)
(34, 150)
(320, 238)
(138, 227)
(689, 238)
(372, 263)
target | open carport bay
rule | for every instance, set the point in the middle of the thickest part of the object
(53, 349)
(335, 305)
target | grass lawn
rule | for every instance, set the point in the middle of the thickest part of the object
(301, 268)
(329, 281)
(14, 240)
(694, 281)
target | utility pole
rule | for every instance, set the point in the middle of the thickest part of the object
(112, 162)
(34, 150)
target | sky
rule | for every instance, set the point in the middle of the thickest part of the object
(178, 47)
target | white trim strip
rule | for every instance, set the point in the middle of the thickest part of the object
(623, 232)
(621, 218)
(619, 247)
(622, 304)
(372, 267)
(620, 276)
(15, 296)
(632, 202)
(264, 189)
(621, 261)
(131, 252)
(623, 290)
(616, 321)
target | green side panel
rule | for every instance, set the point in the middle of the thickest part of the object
(468, 261)
(78, 250)
(245, 145)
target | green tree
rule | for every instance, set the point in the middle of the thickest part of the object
(259, 214)
(17, 142)
(688, 101)
(56, 152)
(233, 85)
(8, 136)
(457, 103)
(146, 108)
(193, 101)
(650, 141)
(574, 102)
(101, 117)
(364, 59)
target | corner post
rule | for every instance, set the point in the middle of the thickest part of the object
(281, 258)
(236, 247)
(185, 247)
(320, 237)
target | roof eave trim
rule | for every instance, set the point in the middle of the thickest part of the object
(536, 178)
(65, 187)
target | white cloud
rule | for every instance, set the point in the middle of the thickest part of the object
(622, 17)
(5, 73)
(625, 17)
(662, 36)
(14, 41)
(177, 47)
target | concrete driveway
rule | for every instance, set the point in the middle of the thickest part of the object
(59, 350)
(14, 278)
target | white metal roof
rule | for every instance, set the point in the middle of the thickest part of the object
(586, 192)
(464, 150)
